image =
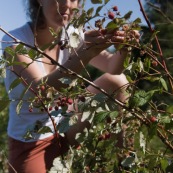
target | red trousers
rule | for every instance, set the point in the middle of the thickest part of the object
(34, 157)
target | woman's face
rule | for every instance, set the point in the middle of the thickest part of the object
(58, 12)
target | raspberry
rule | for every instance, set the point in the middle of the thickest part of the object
(69, 101)
(115, 8)
(153, 119)
(42, 87)
(111, 15)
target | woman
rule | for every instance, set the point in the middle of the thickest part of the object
(36, 155)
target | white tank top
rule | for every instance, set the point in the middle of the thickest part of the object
(20, 123)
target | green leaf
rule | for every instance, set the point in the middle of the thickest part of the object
(44, 129)
(19, 48)
(15, 83)
(128, 161)
(90, 12)
(98, 10)
(4, 104)
(140, 98)
(10, 51)
(164, 164)
(128, 15)
(100, 117)
(96, 1)
(112, 25)
(19, 106)
(163, 82)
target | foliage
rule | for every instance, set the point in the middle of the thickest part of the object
(137, 138)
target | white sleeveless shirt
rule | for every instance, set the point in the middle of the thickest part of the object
(20, 123)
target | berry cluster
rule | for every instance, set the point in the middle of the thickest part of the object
(111, 14)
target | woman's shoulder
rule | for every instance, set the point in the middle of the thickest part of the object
(22, 33)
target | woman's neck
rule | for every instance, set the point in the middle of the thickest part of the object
(44, 36)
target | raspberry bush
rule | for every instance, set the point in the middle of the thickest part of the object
(143, 123)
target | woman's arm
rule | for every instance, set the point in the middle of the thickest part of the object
(110, 63)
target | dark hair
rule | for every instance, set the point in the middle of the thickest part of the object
(35, 13)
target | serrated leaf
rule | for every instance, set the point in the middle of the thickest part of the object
(4, 104)
(140, 98)
(100, 117)
(15, 83)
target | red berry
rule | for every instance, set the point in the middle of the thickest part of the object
(115, 8)
(153, 119)
(30, 110)
(42, 87)
(107, 135)
(111, 15)
(50, 108)
(69, 101)
(78, 147)
(154, 63)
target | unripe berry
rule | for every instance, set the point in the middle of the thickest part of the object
(154, 63)
(111, 15)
